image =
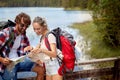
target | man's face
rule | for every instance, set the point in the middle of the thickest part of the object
(21, 27)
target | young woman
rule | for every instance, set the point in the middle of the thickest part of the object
(45, 55)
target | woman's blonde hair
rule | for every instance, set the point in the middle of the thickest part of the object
(41, 21)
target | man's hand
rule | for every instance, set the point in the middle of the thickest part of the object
(5, 61)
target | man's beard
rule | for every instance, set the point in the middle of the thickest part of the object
(21, 31)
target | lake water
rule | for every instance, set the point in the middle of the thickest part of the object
(55, 17)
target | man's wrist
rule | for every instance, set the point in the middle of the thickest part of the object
(1, 59)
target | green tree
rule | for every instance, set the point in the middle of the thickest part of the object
(106, 15)
(27, 3)
(65, 3)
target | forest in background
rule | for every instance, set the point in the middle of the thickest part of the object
(45, 3)
(106, 16)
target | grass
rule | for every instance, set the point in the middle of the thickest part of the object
(98, 49)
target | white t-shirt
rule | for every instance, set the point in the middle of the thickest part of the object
(13, 51)
(51, 38)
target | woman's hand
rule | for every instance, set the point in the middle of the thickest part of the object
(36, 50)
(28, 48)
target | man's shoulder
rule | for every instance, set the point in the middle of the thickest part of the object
(5, 32)
(8, 29)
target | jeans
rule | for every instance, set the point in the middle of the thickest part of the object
(26, 65)
(6, 75)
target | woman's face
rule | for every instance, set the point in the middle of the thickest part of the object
(37, 28)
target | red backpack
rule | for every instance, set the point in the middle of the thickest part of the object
(66, 44)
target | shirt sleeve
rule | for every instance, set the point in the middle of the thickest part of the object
(4, 36)
(51, 38)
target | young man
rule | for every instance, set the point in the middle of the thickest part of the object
(15, 48)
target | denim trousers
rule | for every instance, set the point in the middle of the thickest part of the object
(25, 65)
(6, 75)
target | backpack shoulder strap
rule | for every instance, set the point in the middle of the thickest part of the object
(47, 42)
(11, 36)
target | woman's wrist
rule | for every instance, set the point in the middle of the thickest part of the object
(41, 50)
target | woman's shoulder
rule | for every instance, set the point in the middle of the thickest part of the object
(51, 38)
(51, 35)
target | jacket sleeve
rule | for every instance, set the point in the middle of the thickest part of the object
(4, 36)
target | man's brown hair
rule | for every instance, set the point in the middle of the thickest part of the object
(25, 17)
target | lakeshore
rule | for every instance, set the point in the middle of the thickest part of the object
(97, 47)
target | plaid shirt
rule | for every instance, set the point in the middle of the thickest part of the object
(4, 37)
